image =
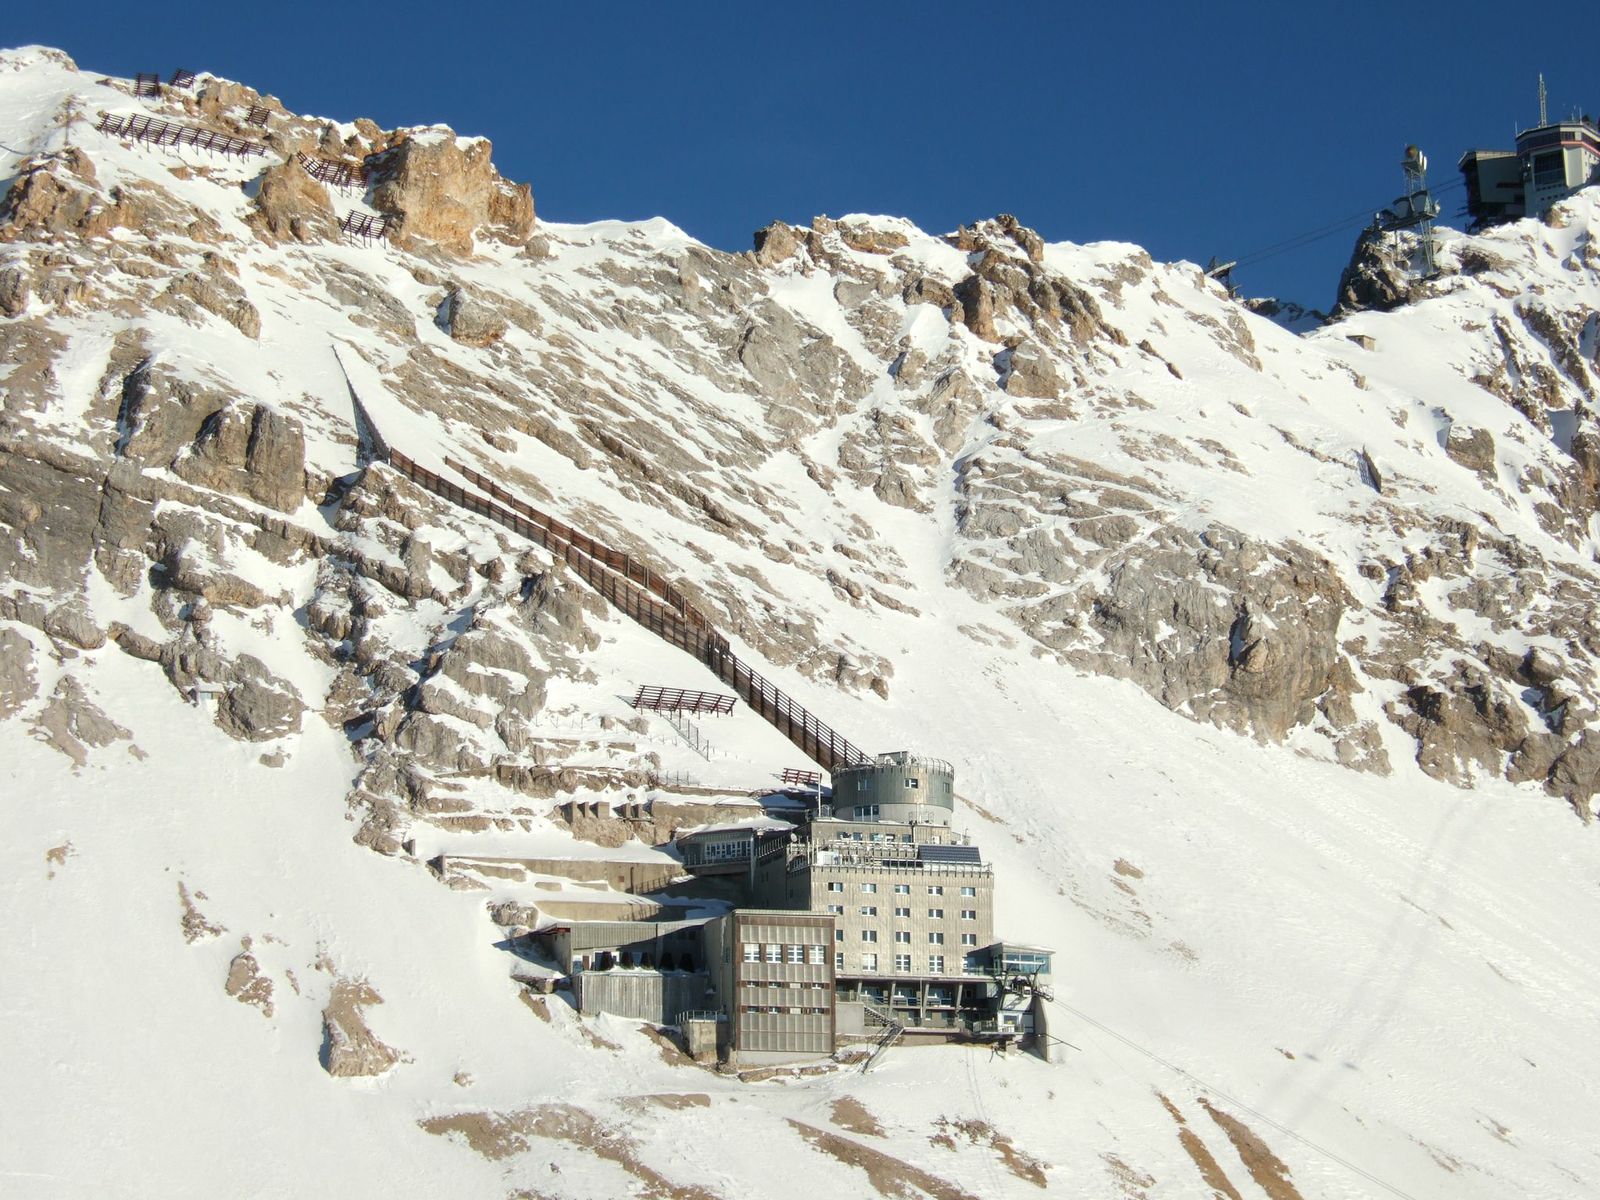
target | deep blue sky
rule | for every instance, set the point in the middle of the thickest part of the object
(1206, 129)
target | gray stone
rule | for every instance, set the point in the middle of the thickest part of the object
(256, 705)
(13, 291)
(18, 683)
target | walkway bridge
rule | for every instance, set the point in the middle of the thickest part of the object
(643, 595)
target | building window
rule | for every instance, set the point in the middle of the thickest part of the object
(913, 784)
(869, 888)
(869, 910)
(836, 887)
(774, 953)
(902, 937)
(902, 912)
(752, 952)
(969, 914)
(838, 935)
(936, 939)
(837, 909)
(1549, 170)
(869, 962)
(902, 889)
(902, 962)
(936, 914)
(795, 954)
(814, 957)
(969, 939)
(936, 964)
(969, 891)
(869, 935)
(936, 890)
(838, 959)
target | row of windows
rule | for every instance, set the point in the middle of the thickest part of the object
(783, 986)
(779, 1008)
(902, 937)
(901, 889)
(935, 914)
(776, 953)
(902, 962)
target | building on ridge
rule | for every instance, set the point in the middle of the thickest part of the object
(1551, 161)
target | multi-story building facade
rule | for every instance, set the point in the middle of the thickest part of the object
(912, 901)
(774, 977)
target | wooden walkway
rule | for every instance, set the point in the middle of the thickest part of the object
(644, 596)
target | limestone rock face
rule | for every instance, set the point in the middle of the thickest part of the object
(1472, 448)
(216, 294)
(14, 291)
(59, 195)
(258, 707)
(73, 723)
(256, 452)
(18, 681)
(446, 194)
(1377, 277)
(290, 205)
(349, 1048)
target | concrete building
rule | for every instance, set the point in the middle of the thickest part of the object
(875, 916)
(647, 970)
(899, 787)
(773, 973)
(913, 912)
(1551, 162)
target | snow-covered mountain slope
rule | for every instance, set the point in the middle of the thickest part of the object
(1260, 658)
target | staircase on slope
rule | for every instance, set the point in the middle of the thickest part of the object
(644, 596)
(890, 1031)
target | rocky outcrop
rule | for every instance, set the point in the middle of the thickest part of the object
(445, 191)
(58, 195)
(349, 1047)
(292, 206)
(248, 450)
(1380, 276)
(73, 723)
(777, 243)
(18, 680)
(246, 982)
(470, 321)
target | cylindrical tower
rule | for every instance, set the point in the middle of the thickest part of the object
(899, 786)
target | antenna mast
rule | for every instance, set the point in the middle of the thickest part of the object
(1544, 118)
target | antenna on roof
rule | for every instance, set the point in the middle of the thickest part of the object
(1544, 118)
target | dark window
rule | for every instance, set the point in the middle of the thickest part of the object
(1549, 169)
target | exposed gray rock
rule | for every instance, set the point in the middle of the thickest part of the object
(215, 294)
(257, 706)
(470, 321)
(14, 291)
(252, 451)
(18, 682)
(776, 243)
(72, 723)
(1472, 448)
